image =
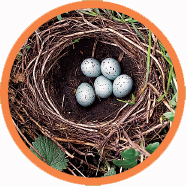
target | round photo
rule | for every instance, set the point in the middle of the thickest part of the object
(92, 93)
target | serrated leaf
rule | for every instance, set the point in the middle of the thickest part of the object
(53, 155)
(125, 163)
(111, 172)
(130, 154)
(152, 147)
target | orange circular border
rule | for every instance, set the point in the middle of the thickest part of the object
(25, 149)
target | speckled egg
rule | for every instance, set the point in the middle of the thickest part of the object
(110, 68)
(91, 67)
(103, 87)
(85, 95)
(122, 85)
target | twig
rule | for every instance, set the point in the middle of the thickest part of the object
(63, 100)
(37, 39)
(152, 129)
(136, 146)
(148, 107)
(125, 105)
(71, 171)
(87, 22)
(75, 141)
(77, 169)
(94, 47)
(159, 95)
(121, 56)
(81, 153)
(163, 126)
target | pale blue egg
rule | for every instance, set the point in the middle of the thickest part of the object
(85, 95)
(103, 87)
(91, 67)
(110, 68)
(122, 85)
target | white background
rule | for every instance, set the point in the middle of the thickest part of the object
(168, 16)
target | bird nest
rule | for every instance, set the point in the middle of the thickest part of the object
(46, 73)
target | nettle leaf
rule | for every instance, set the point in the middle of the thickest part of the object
(130, 154)
(53, 155)
(125, 163)
(152, 147)
(110, 172)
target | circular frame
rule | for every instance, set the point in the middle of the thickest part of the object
(26, 150)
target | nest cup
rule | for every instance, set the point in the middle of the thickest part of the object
(46, 74)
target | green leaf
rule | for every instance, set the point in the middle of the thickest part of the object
(59, 17)
(38, 36)
(27, 47)
(53, 155)
(131, 20)
(125, 163)
(130, 158)
(76, 40)
(162, 47)
(152, 147)
(169, 115)
(173, 101)
(97, 10)
(133, 25)
(91, 13)
(161, 97)
(170, 77)
(19, 56)
(110, 172)
(168, 57)
(148, 58)
(129, 102)
(130, 154)
(133, 98)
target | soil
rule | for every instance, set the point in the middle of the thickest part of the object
(66, 76)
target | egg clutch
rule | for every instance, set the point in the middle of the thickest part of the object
(109, 70)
